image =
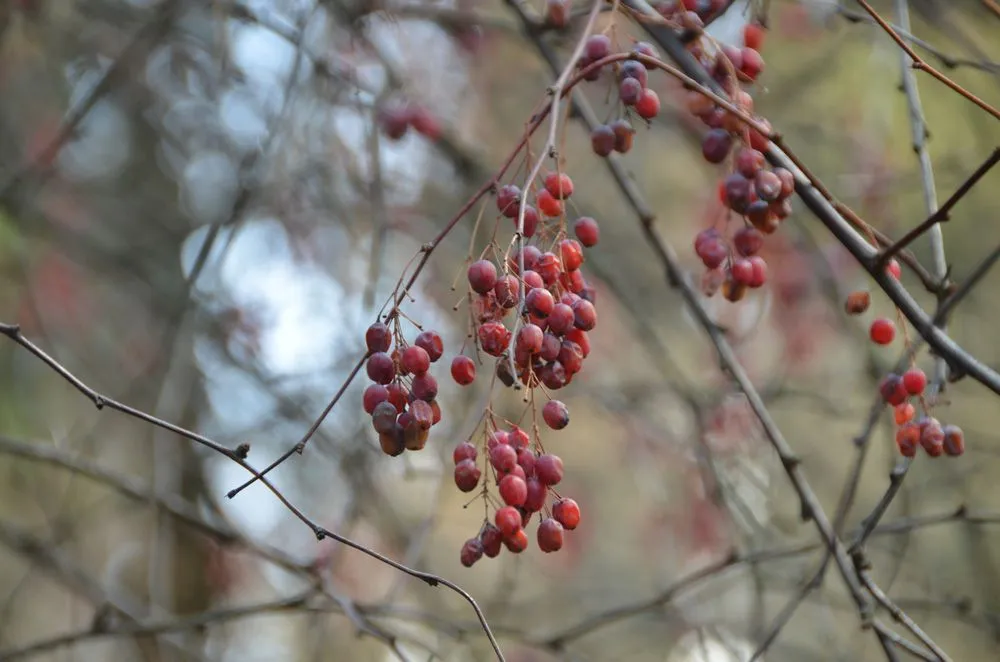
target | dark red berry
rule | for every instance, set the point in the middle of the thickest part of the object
(414, 361)
(753, 63)
(767, 186)
(748, 241)
(598, 46)
(374, 394)
(378, 338)
(513, 490)
(716, 144)
(508, 520)
(464, 451)
(550, 535)
(529, 339)
(602, 140)
(380, 368)
(954, 441)
(467, 475)
(587, 231)
(932, 437)
(503, 457)
(585, 315)
(508, 200)
(630, 91)
(857, 302)
(555, 414)
(492, 538)
(472, 551)
(494, 338)
(539, 302)
(908, 438)
(517, 542)
(431, 342)
(549, 469)
(536, 491)
(424, 387)
(482, 276)
(892, 390)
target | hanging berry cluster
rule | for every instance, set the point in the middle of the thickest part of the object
(402, 400)
(897, 390)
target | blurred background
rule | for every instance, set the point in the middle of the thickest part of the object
(200, 215)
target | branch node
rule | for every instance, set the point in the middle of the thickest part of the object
(320, 533)
(99, 401)
(243, 450)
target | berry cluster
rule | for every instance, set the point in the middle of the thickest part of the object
(896, 390)
(402, 399)
(524, 478)
(397, 117)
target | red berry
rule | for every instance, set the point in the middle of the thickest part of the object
(422, 413)
(907, 439)
(954, 441)
(633, 70)
(494, 338)
(630, 91)
(380, 368)
(508, 199)
(857, 302)
(758, 140)
(492, 538)
(425, 123)
(549, 469)
(463, 370)
(415, 361)
(548, 267)
(914, 380)
(623, 135)
(399, 395)
(560, 320)
(482, 276)
(548, 204)
(598, 46)
(513, 490)
(518, 438)
(557, 13)
(585, 315)
(753, 36)
(555, 414)
(753, 63)
(384, 417)
(529, 339)
(472, 551)
(716, 144)
(424, 387)
(536, 493)
(550, 535)
(602, 140)
(508, 520)
(580, 337)
(882, 331)
(767, 185)
(571, 254)
(533, 280)
(378, 338)
(517, 542)
(904, 413)
(587, 231)
(748, 241)
(503, 457)
(741, 271)
(893, 269)
(431, 342)
(892, 390)
(932, 436)
(467, 475)
(559, 185)
(539, 302)
(567, 513)
(648, 105)
(374, 394)
(464, 451)
(530, 221)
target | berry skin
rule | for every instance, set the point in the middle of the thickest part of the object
(908, 438)
(431, 343)
(893, 269)
(539, 302)
(560, 320)
(529, 339)
(548, 204)
(536, 493)
(508, 199)
(904, 413)
(559, 185)
(914, 381)
(954, 440)
(494, 338)
(587, 231)
(380, 368)
(464, 451)
(424, 387)
(571, 254)
(585, 315)
(932, 437)
(716, 144)
(624, 134)
(415, 360)
(516, 543)
(467, 475)
(482, 276)
(555, 414)
(550, 535)
(602, 140)
(492, 538)
(378, 338)
(549, 469)
(892, 390)
(503, 457)
(630, 91)
(567, 513)
(513, 490)
(648, 105)
(463, 370)
(857, 302)
(374, 394)
(598, 46)
(508, 520)
(882, 331)
(472, 551)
